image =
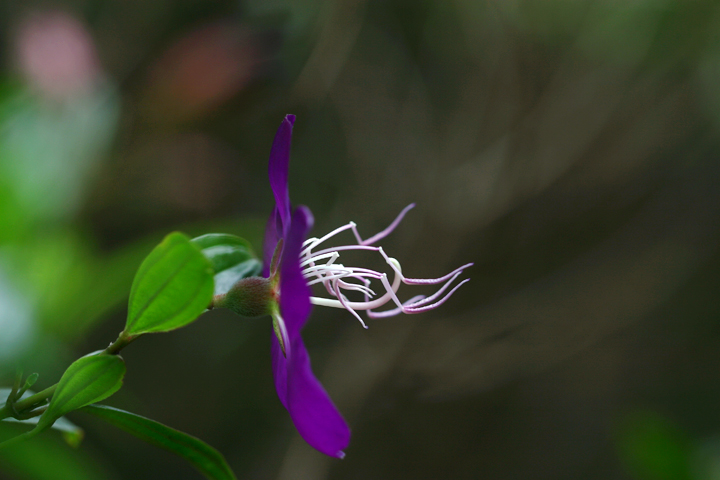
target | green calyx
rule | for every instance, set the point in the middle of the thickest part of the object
(249, 297)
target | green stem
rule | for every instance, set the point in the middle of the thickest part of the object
(34, 413)
(16, 385)
(33, 400)
(122, 341)
(28, 403)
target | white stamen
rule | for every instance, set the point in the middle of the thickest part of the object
(332, 257)
(335, 276)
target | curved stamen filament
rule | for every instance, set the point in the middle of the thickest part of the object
(384, 233)
(394, 311)
(413, 309)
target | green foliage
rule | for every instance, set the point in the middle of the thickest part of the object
(231, 257)
(89, 379)
(172, 287)
(203, 457)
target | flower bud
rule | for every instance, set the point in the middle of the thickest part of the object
(249, 297)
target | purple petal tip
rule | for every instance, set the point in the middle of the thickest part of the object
(290, 118)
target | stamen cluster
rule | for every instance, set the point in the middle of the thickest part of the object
(323, 267)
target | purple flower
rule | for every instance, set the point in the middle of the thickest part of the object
(292, 268)
(313, 413)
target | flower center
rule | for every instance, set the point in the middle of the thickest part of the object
(323, 267)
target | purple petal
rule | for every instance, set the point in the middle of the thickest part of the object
(278, 169)
(294, 291)
(313, 413)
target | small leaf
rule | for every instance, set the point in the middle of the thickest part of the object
(231, 257)
(202, 456)
(172, 287)
(72, 434)
(89, 379)
(224, 250)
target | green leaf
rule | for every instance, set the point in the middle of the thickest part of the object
(224, 250)
(89, 379)
(231, 258)
(202, 456)
(71, 433)
(172, 287)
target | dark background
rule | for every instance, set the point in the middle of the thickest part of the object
(568, 148)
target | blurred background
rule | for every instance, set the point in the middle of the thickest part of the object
(568, 148)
